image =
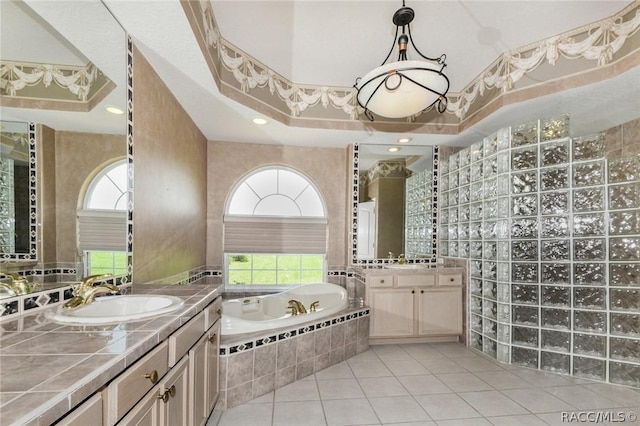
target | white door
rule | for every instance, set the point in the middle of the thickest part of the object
(367, 230)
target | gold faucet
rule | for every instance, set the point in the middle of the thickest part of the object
(18, 285)
(391, 258)
(85, 292)
(314, 306)
(299, 306)
(401, 259)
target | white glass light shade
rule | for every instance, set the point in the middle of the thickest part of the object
(401, 97)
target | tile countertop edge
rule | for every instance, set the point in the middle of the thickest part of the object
(196, 297)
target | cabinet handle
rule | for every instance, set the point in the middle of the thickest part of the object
(219, 311)
(452, 279)
(172, 390)
(164, 396)
(381, 281)
(213, 338)
(421, 291)
(413, 292)
(153, 376)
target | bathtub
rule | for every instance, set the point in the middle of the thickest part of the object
(250, 314)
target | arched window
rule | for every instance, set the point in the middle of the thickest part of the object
(102, 226)
(275, 230)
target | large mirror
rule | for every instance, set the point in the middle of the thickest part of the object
(64, 64)
(394, 202)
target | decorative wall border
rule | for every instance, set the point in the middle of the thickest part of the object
(129, 277)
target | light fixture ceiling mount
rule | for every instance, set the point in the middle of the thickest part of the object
(406, 87)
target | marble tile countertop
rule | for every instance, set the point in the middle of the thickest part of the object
(411, 270)
(47, 368)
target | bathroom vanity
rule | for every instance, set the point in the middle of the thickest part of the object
(159, 371)
(414, 304)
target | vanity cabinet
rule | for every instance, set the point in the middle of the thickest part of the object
(414, 305)
(86, 413)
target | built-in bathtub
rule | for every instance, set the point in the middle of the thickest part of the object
(252, 314)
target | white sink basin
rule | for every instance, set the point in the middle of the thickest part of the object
(112, 309)
(406, 266)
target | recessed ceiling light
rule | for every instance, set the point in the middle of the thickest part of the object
(260, 121)
(405, 140)
(393, 149)
(114, 110)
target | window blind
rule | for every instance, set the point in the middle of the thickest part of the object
(102, 230)
(295, 235)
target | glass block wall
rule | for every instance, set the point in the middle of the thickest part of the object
(7, 215)
(418, 214)
(552, 233)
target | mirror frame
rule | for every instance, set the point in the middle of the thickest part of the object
(32, 253)
(355, 178)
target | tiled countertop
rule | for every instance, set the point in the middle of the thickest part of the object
(47, 368)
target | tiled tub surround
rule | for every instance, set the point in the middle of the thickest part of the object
(254, 364)
(46, 368)
(551, 229)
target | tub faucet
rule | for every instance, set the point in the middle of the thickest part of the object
(299, 306)
(85, 292)
(401, 259)
(314, 306)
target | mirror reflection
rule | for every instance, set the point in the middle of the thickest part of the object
(63, 77)
(394, 201)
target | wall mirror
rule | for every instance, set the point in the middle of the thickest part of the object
(66, 62)
(393, 211)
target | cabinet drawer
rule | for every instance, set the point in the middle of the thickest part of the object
(419, 280)
(186, 336)
(450, 279)
(380, 281)
(212, 313)
(127, 389)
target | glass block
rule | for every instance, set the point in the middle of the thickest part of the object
(554, 203)
(453, 248)
(475, 268)
(491, 209)
(554, 226)
(475, 305)
(476, 171)
(444, 166)
(556, 296)
(502, 206)
(464, 177)
(524, 336)
(625, 324)
(521, 183)
(464, 157)
(556, 273)
(490, 167)
(503, 251)
(476, 323)
(589, 273)
(490, 348)
(625, 349)
(490, 290)
(475, 286)
(454, 162)
(524, 250)
(624, 196)
(504, 185)
(555, 362)
(475, 249)
(525, 205)
(444, 217)
(475, 231)
(463, 249)
(453, 198)
(592, 321)
(444, 199)
(503, 230)
(453, 215)
(624, 222)
(524, 228)
(489, 250)
(589, 344)
(588, 147)
(504, 292)
(453, 232)
(490, 231)
(476, 341)
(624, 170)
(475, 211)
(489, 270)
(588, 225)
(555, 153)
(444, 183)
(555, 250)
(556, 340)
(589, 298)
(624, 248)
(524, 294)
(504, 136)
(588, 174)
(524, 272)
(624, 274)
(477, 149)
(463, 195)
(589, 249)
(454, 181)
(526, 315)
(524, 134)
(588, 199)
(463, 231)
(554, 179)
(554, 128)
(503, 313)
(589, 368)
(556, 318)
(489, 309)
(476, 192)
(490, 145)
(524, 357)
(624, 374)
(490, 188)
(444, 249)
(504, 333)
(503, 162)
(524, 158)
(490, 329)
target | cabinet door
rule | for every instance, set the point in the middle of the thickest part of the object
(198, 381)
(90, 412)
(392, 312)
(175, 411)
(146, 412)
(440, 311)
(213, 366)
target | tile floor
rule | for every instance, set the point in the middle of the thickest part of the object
(433, 384)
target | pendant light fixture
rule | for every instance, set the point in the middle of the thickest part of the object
(405, 87)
